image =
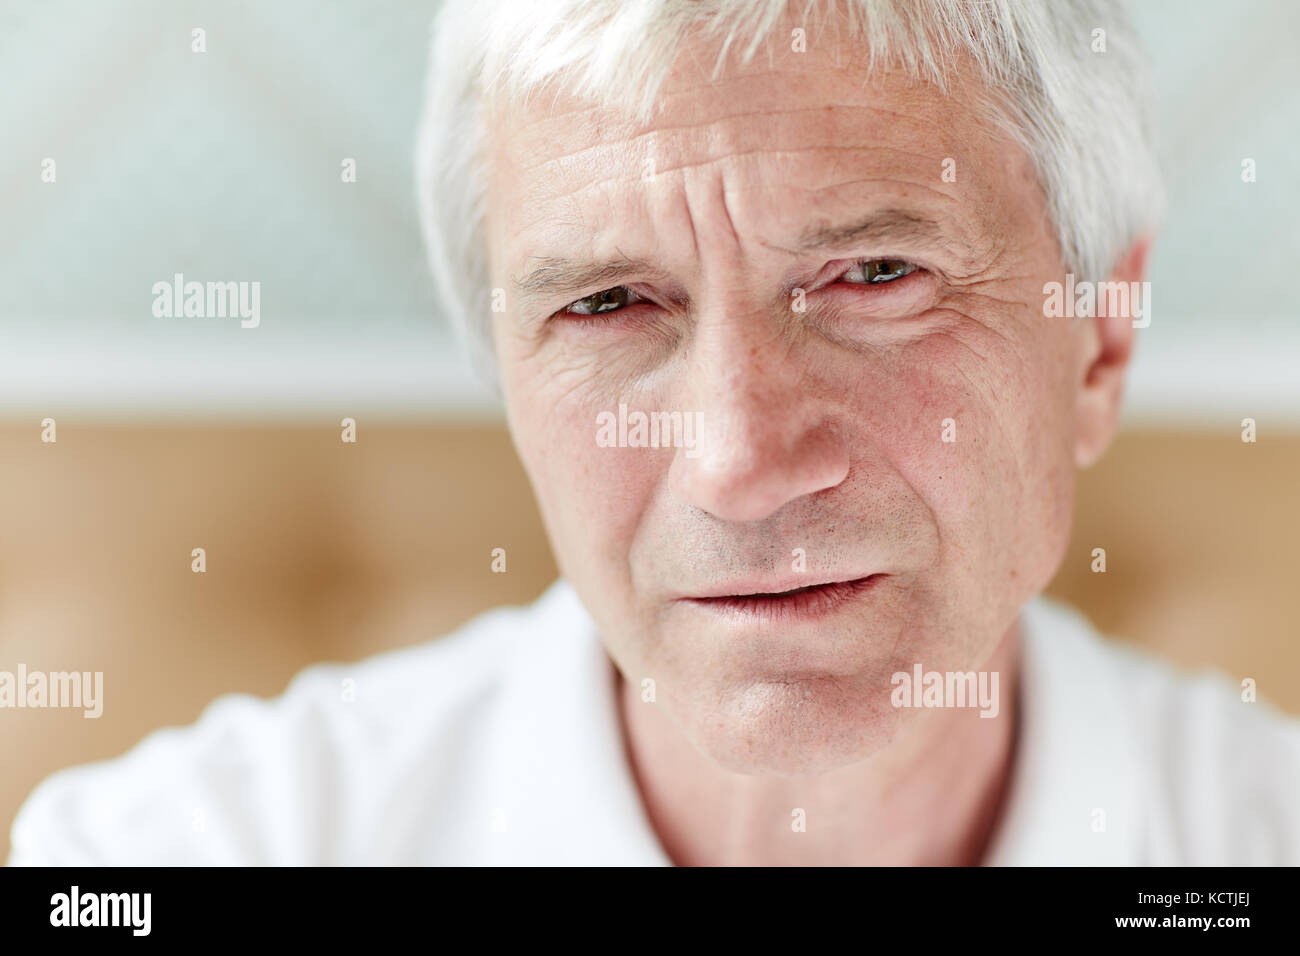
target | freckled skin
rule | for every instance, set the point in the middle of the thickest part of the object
(821, 428)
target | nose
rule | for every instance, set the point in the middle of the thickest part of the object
(768, 437)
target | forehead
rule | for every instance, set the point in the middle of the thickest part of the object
(790, 141)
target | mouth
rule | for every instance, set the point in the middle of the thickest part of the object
(802, 603)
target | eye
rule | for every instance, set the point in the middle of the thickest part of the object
(875, 271)
(607, 300)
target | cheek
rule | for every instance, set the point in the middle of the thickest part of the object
(977, 424)
(591, 497)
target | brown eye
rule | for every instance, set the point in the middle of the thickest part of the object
(873, 271)
(607, 300)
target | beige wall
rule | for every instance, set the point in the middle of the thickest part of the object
(318, 550)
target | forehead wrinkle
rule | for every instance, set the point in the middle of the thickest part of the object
(819, 110)
(616, 146)
(759, 151)
(701, 94)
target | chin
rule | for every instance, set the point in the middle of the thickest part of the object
(796, 726)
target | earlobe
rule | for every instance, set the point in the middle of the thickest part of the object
(1121, 304)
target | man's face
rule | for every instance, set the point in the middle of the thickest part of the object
(912, 438)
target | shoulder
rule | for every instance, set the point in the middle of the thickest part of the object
(1216, 769)
(336, 769)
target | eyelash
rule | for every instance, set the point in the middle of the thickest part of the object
(902, 265)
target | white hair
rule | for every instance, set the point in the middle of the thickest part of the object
(1073, 97)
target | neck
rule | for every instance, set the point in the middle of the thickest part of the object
(932, 797)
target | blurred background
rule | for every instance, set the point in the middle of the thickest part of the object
(178, 434)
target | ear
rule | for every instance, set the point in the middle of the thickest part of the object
(1105, 346)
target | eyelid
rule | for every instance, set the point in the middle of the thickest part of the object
(908, 295)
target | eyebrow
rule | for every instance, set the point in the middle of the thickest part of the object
(556, 275)
(888, 224)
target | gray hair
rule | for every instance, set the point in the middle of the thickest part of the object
(1079, 112)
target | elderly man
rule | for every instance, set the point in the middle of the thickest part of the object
(767, 289)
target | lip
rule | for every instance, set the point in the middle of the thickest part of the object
(803, 602)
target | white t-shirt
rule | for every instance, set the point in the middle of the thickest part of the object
(500, 744)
